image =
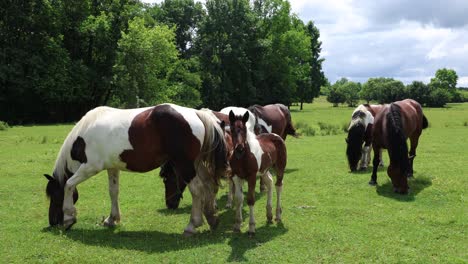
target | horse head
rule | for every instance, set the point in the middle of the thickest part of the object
(238, 133)
(399, 179)
(354, 142)
(55, 192)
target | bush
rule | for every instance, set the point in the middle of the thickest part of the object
(438, 98)
(305, 129)
(4, 125)
(328, 129)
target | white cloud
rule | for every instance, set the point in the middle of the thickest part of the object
(407, 40)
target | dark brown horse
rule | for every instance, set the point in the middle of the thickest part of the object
(140, 140)
(359, 133)
(393, 125)
(273, 118)
(254, 155)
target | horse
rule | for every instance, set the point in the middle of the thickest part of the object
(175, 188)
(359, 132)
(273, 118)
(140, 140)
(255, 154)
(393, 125)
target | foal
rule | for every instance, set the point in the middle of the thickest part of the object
(252, 155)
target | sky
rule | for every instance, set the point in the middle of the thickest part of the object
(403, 39)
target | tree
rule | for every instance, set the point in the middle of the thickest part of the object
(383, 90)
(336, 93)
(309, 88)
(418, 91)
(185, 16)
(445, 79)
(351, 92)
(144, 58)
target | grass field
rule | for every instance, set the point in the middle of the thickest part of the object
(329, 214)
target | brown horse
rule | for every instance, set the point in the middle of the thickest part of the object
(254, 155)
(393, 125)
(359, 133)
(140, 140)
(273, 118)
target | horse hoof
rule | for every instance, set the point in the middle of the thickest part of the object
(236, 230)
(214, 224)
(228, 206)
(251, 234)
(278, 220)
(363, 168)
(69, 223)
(188, 233)
(373, 183)
(262, 188)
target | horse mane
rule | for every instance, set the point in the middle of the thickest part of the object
(61, 171)
(398, 150)
(213, 152)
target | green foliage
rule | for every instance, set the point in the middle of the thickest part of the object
(304, 129)
(336, 95)
(144, 58)
(351, 91)
(418, 91)
(4, 125)
(438, 97)
(383, 90)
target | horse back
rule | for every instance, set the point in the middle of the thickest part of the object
(162, 133)
(274, 152)
(412, 117)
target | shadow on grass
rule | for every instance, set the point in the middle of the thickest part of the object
(416, 184)
(289, 170)
(156, 241)
(368, 170)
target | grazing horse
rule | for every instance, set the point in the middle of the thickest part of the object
(359, 132)
(252, 155)
(140, 140)
(273, 118)
(175, 188)
(393, 125)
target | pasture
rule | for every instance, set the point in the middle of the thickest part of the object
(329, 214)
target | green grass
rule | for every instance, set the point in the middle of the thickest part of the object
(329, 214)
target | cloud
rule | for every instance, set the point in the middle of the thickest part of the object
(404, 39)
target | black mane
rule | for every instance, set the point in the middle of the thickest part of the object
(398, 150)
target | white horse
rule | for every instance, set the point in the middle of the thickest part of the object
(140, 140)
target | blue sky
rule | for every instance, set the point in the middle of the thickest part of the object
(404, 39)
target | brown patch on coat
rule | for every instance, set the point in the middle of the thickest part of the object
(78, 150)
(277, 116)
(157, 135)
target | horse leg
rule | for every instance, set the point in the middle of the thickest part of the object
(365, 159)
(239, 200)
(375, 163)
(279, 190)
(85, 171)
(186, 171)
(412, 154)
(114, 216)
(252, 180)
(268, 182)
(209, 192)
(381, 163)
(230, 193)
(263, 188)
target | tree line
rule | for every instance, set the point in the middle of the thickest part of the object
(442, 89)
(60, 58)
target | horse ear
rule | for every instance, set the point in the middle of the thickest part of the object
(245, 118)
(232, 117)
(222, 125)
(50, 178)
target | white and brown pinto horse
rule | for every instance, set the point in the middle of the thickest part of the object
(140, 140)
(393, 125)
(359, 132)
(273, 118)
(254, 154)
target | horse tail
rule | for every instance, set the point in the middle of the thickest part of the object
(214, 152)
(290, 130)
(425, 122)
(398, 150)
